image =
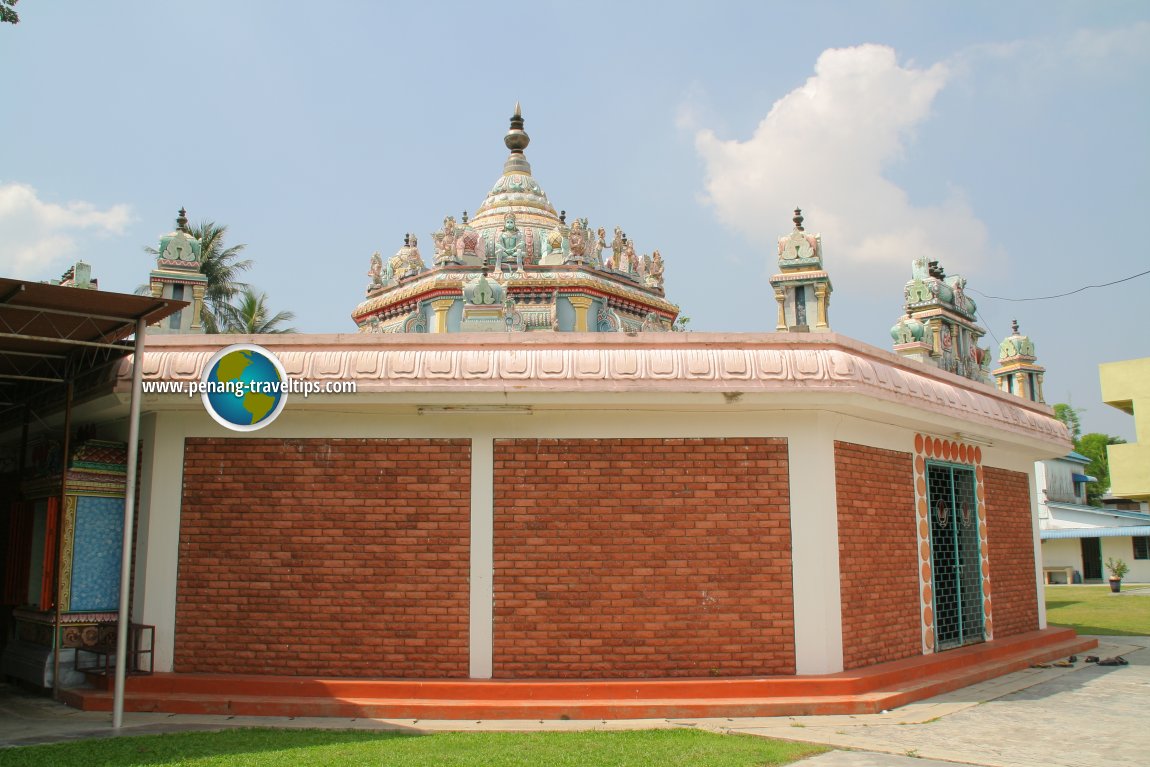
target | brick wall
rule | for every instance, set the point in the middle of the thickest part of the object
(878, 554)
(335, 557)
(1010, 540)
(642, 557)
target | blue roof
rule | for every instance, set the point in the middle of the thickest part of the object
(1097, 532)
(1083, 478)
(1073, 456)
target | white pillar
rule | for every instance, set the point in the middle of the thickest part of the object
(815, 548)
(482, 557)
(1039, 578)
(158, 537)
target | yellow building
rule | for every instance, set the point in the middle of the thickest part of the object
(1126, 386)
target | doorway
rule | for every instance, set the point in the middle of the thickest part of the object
(1091, 559)
(956, 561)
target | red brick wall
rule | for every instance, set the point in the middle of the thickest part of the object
(642, 557)
(1010, 540)
(335, 557)
(878, 555)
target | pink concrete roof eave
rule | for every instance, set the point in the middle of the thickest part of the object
(536, 366)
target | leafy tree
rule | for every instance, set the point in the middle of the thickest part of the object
(249, 314)
(8, 12)
(1093, 446)
(1069, 416)
(222, 267)
(681, 323)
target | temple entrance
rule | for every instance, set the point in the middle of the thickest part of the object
(955, 559)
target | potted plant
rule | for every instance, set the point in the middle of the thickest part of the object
(1117, 568)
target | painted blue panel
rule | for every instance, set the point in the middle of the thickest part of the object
(96, 553)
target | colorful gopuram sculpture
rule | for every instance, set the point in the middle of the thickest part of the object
(516, 266)
(802, 288)
(939, 324)
(1018, 371)
(178, 276)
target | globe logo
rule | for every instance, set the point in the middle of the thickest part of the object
(244, 387)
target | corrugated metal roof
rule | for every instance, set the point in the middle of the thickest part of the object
(1097, 532)
(1104, 511)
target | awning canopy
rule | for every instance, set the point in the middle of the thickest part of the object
(52, 333)
(1097, 532)
(1083, 478)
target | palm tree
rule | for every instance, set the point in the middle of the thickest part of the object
(221, 267)
(250, 315)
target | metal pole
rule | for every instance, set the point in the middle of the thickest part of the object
(129, 523)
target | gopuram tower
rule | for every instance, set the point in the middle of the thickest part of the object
(1018, 370)
(802, 287)
(517, 265)
(938, 326)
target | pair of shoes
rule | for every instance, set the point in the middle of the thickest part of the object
(1115, 661)
(1073, 659)
(1091, 658)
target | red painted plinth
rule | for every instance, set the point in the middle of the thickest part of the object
(862, 691)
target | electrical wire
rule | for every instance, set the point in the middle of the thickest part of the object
(1060, 295)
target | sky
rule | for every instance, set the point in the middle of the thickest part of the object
(1008, 140)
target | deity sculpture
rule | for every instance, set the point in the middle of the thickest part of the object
(407, 261)
(577, 241)
(600, 244)
(655, 271)
(375, 272)
(630, 260)
(445, 239)
(510, 244)
(555, 247)
(617, 246)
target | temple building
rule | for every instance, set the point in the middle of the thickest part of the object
(1018, 371)
(938, 326)
(517, 265)
(178, 276)
(601, 522)
(802, 288)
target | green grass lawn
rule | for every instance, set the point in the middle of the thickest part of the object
(1095, 610)
(347, 748)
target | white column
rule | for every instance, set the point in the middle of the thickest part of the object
(1039, 578)
(158, 534)
(482, 556)
(815, 548)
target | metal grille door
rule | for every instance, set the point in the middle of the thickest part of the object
(955, 559)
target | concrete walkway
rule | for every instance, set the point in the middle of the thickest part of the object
(1038, 717)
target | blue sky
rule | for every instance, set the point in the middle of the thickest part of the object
(1009, 140)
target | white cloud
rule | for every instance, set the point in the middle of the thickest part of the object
(824, 147)
(38, 238)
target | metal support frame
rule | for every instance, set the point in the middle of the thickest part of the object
(129, 525)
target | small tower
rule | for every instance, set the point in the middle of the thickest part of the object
(177, 276)
(802, 288)
(939, 326)
(1017, 372)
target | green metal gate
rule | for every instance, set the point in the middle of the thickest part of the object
(955, 558)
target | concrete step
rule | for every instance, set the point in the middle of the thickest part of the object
(869, 690)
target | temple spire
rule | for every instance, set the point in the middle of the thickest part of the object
(517, 140)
